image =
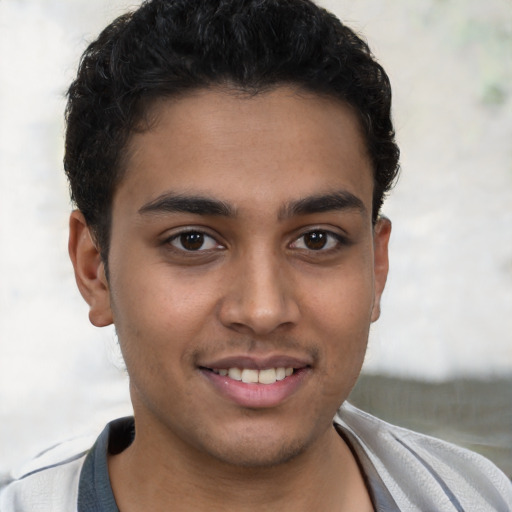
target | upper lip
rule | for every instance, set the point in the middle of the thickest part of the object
(258, 363)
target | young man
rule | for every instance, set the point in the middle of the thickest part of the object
(228, 159)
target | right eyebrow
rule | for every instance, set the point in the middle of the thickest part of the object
(179, 203)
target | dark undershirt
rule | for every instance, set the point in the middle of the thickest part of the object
(95, 492)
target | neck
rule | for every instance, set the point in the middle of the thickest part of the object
(325, 477)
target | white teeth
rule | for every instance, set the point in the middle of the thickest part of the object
(267, 376)
(235, 374)
(251, 376)
(280, 373)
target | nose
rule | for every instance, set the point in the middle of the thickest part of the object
(261, 296)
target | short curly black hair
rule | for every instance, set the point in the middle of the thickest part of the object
(169, 47)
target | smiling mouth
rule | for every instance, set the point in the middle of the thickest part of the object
(252, 376)
(257, 384)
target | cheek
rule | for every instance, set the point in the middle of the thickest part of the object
(159, 298)
(157, 316)
(341, 311)
(343, 302)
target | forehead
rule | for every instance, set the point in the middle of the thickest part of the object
(247, 150)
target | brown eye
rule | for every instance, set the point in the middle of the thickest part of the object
(193, 241)
(318, 240)
(315, 240)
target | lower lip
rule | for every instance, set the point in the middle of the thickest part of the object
(257, 396)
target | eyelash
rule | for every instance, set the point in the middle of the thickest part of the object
(204, 236)
(331, 239)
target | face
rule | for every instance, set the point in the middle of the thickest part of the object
(242, 247)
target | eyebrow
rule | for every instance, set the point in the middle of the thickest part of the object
(341, 200)
(197, 205)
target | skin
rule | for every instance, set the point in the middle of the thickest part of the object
(258, 287)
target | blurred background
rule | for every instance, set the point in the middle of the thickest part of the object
(440, 357)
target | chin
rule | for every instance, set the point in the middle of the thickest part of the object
(253, 452)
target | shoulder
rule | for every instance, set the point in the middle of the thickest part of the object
(422, 472)
(49, 482)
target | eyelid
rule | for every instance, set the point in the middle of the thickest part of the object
(340, 238)
(177, 232)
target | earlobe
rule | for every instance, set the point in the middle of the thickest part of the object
(89, 270)
(382, 232)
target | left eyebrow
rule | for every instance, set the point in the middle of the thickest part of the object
(341, 200)
(177, 203)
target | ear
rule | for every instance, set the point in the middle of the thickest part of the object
(381, 234)
(89, 270)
